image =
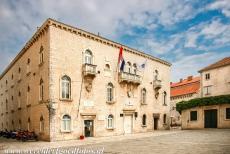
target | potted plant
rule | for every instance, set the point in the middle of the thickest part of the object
(82, 137)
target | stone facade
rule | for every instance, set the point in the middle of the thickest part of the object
(214, 81)
(87, 108)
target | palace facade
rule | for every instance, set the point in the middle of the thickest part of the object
(66, 82)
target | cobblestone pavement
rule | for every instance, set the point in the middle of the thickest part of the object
(208, 141)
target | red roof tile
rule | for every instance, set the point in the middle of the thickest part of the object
(220, 63)
(185, 87)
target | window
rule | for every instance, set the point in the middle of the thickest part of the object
(41, 55)
(19, 124)
(143, 96)
(156, 75)
(207, 90)
(12, 122)
(227, 113)
(128, 67)
(27, 95)
(66, 123)
(107, 67)
(88, 57)
(42, 124)
(19, 99)
(134, 69)
(164, 98)
(6, 105)
(164, 119)
(41, 91)
(193, 115)
(12, 76)
(28, 124)
(144, 120)
(110, 121)
(110, 92)
(28, 66)
(65, 87)
(207, 76)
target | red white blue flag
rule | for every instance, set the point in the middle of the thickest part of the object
(121, 61)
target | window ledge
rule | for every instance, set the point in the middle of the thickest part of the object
(110, 102)
(143, 125)
(66, 131)
(143, 103)
(66, 100)
(165, 105)
(110, 128)
(41, 64)
(227, 119)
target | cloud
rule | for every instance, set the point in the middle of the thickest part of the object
(223, 5)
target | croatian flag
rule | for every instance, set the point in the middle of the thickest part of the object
(121, 61)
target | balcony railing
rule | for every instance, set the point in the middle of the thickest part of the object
(157, 84)
(128, 77)
(89, 69)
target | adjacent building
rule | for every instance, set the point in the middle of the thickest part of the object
(183, 90)
(66, 82)
(215, 81)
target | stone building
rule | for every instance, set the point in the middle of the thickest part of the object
(183, 90)
(66, 82)
(215, 81)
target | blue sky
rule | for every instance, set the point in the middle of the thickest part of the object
(188, 33)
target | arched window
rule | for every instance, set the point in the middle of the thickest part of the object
(164, 98)
(107, 67)
(41, 90)
(110, 92)
(143, 96)
(65, 87)
(42, 124)
(144, 120)
(128, 67)
(88, 57)
(164, 118)
(66, 123)
(110, 121)
(134, 69)
(28, 124)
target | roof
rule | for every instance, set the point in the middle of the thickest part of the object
(77, 31)
(186, 86)
(221, 63)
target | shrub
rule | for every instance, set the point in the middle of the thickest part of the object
(213, 100)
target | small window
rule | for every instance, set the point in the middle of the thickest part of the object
(134, 69)
(19, 70)
(110, 92)
(28, 124)
(107, 67)
(65, 87)
(207, 76)
(42, 124)
(193, 115)
(144, 120)
(110, 121)
(156, 75)
(164, 118)
(41, 55)
(207, 90)
(12, 76)
(227, 113)
(164, 98)
(66, 123)
(143, 96)
(41, 91)
(128, 67)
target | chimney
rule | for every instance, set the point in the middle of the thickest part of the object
(181, 80)
(189, 78)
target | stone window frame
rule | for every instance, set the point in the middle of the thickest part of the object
(64, 122)
(143, 96)
(110, 93)
(207, 76)
(110, 121)
(41, 55)
(88, 57)
(41, 90)
(69, 88)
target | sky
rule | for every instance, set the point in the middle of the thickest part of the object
(190, 34)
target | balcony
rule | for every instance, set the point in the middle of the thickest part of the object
(89, 70)
(129, 78)
(157, 84)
